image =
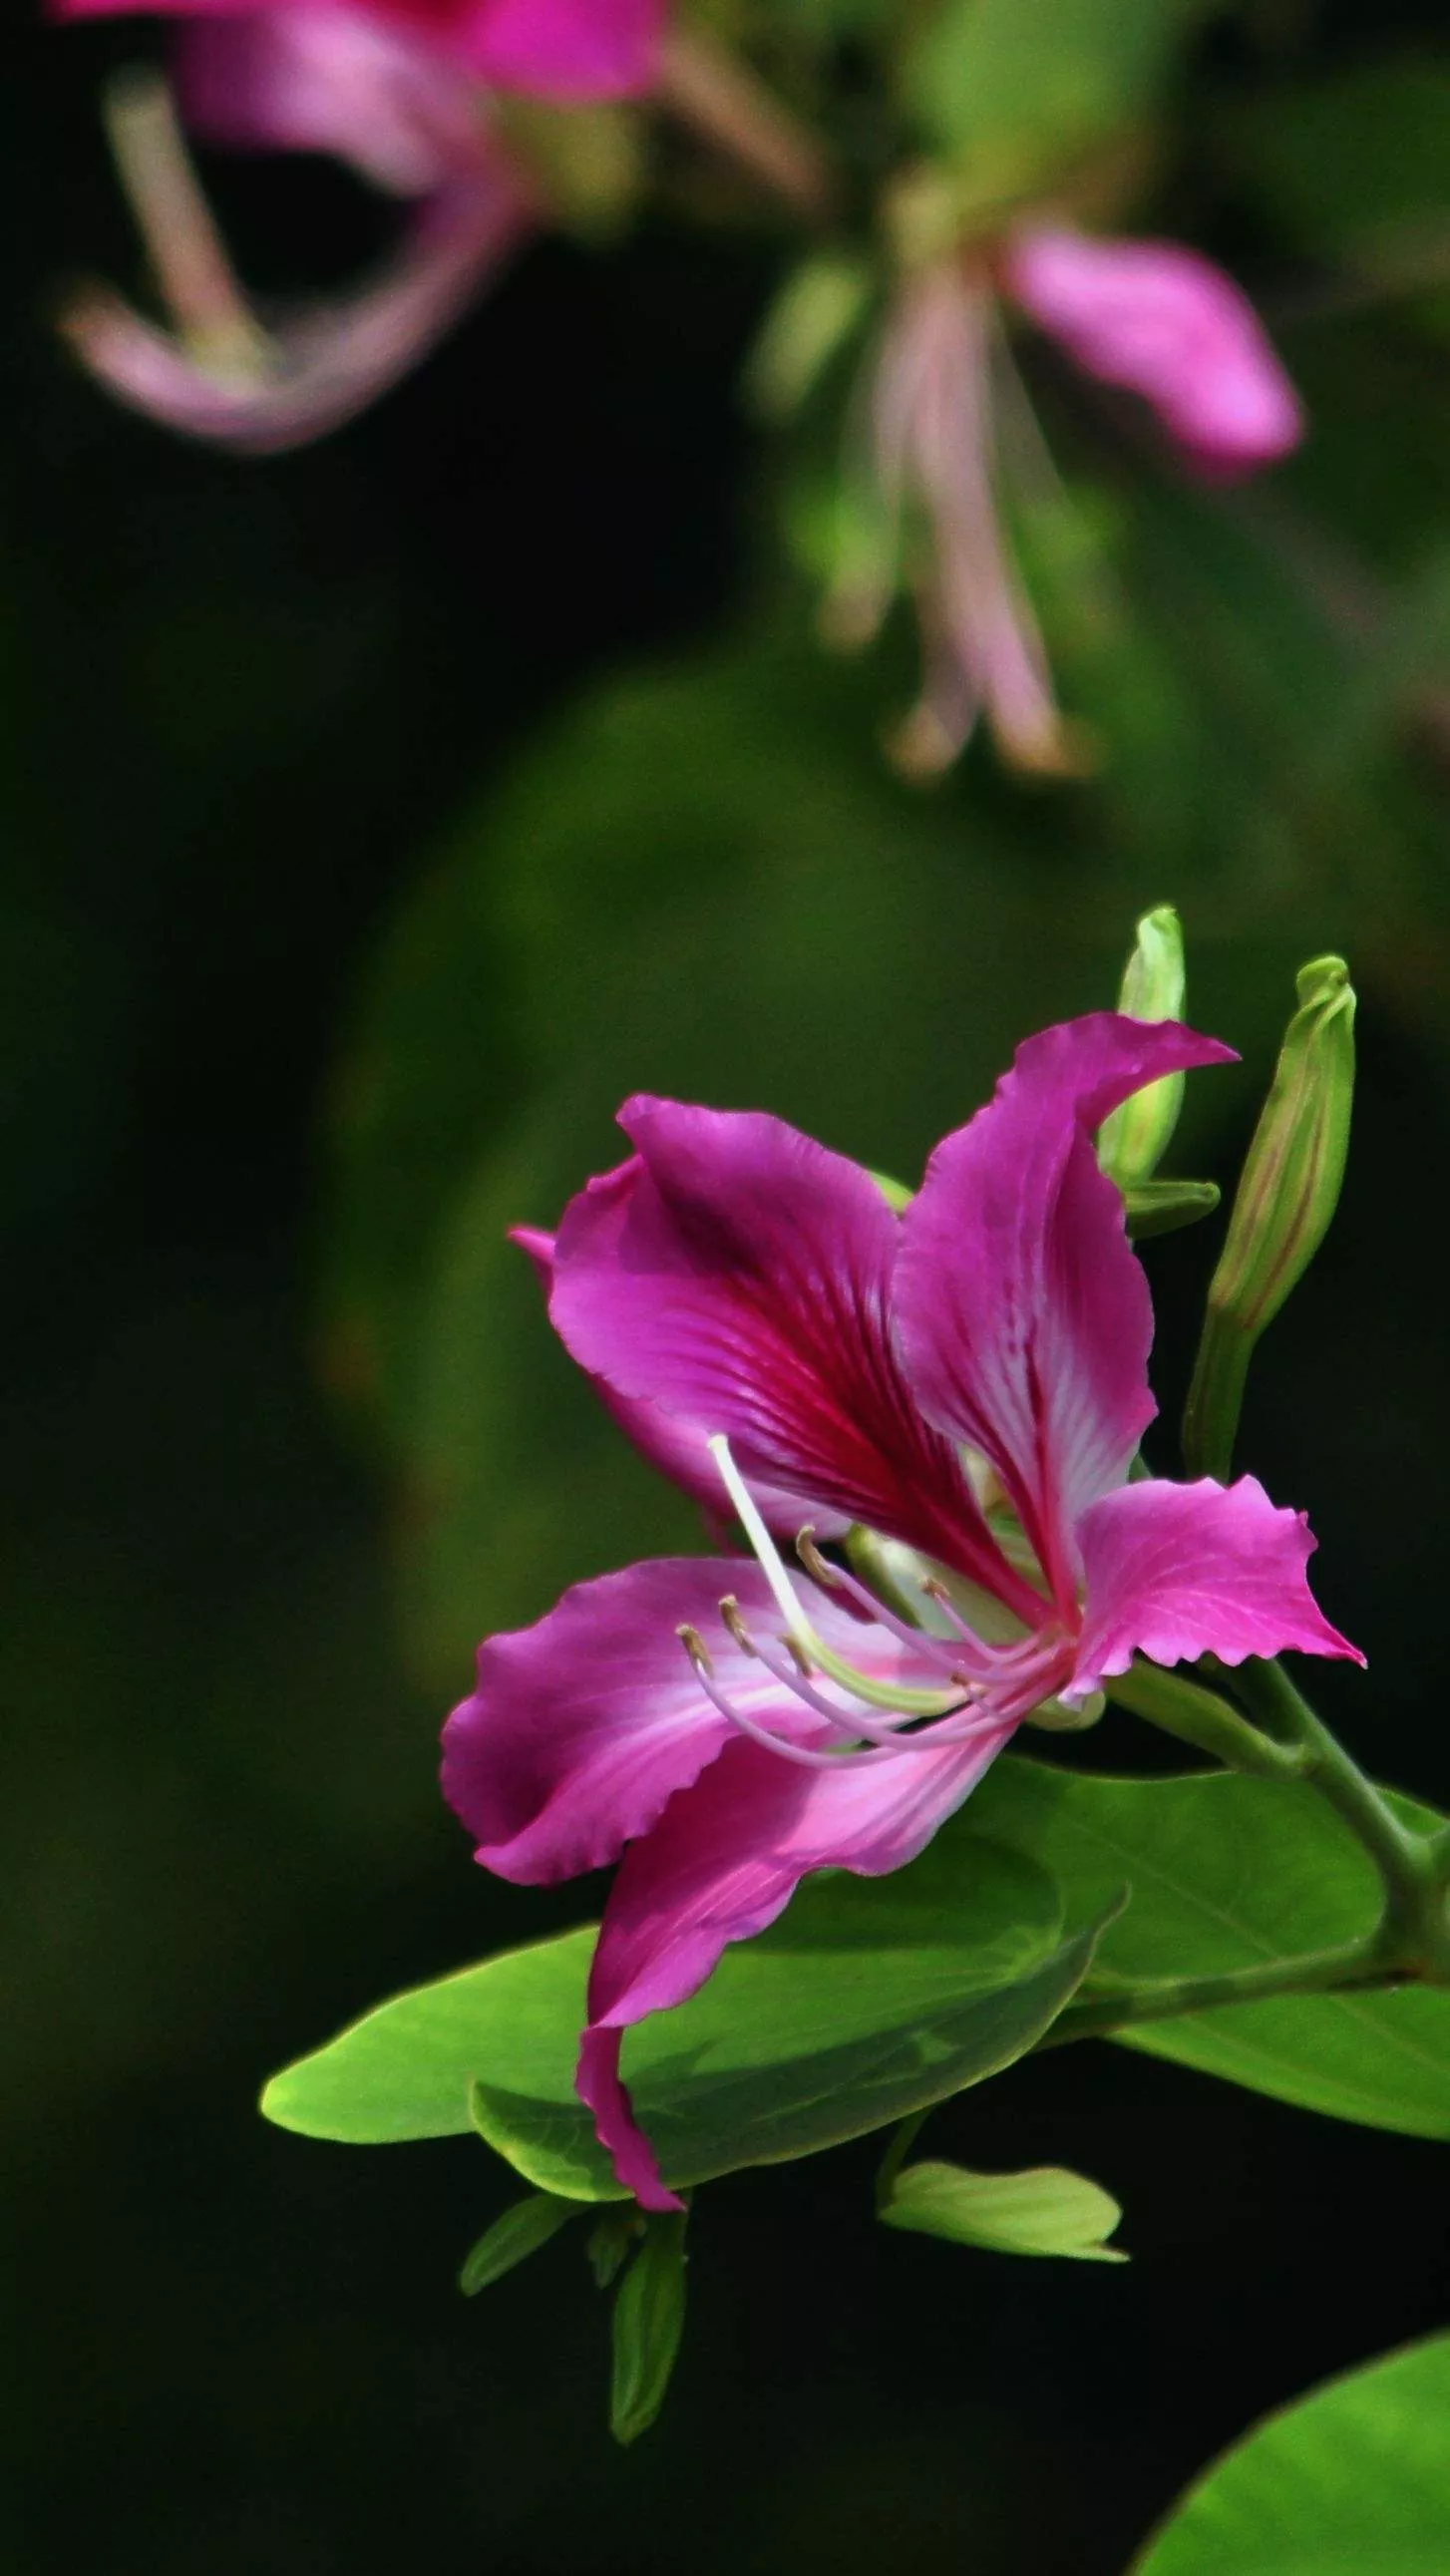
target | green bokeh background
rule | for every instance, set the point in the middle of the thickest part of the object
(372, 821)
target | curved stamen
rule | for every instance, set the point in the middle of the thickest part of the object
(1000, 1659)
(878, 1731)
(903, 1698)
(835, 1578)
(811, 1758)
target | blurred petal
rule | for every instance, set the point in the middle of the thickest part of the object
(1179, 1571)
(1170, 326)
(325, 362)
(563, 49)
(738, 1276)
(581, 1727)
(723, 1862)
(329, 80)
(1023, 1313)
(982, 649)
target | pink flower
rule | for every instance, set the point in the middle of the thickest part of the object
(1149, 316)
(402, 94)
(752, 1309)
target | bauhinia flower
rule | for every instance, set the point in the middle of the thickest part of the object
(1152, 317)
(961, 1389)
(407, 94)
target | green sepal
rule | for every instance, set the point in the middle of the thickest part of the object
(513, 2238)
(649, 2319)
(1045, 2210)
(1161, 1207)
(812, 317)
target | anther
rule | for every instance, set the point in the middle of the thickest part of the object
(695, 1647)
(734, 1618)
(818, 1567)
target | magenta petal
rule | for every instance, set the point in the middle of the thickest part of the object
(1023, 1313)
(723, 1862)
(738, 1276)
(1170, 326)
(581, 1727)
(676, 1448)
(565, 49)
(1178, 1571)
(329, 80)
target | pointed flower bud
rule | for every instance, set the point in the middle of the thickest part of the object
(1132, 1142)
(1286, 1196)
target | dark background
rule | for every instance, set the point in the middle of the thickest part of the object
(240, 706)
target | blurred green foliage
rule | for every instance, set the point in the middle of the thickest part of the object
(395, 810)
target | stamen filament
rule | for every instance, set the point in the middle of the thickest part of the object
(901, 1697)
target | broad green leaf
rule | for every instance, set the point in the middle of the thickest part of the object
(512, 2239)
(1046, 2210)
(1228, 1872)
(869, 1999)
(649, 2319)
(1353, 2480)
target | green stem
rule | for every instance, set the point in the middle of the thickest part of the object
(1211, 1415)
(1354, 1964)
(1199, 1717)
(903, 2139)
(1406, 1860)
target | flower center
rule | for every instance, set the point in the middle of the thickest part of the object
(855, 1715)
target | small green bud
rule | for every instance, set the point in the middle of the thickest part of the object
(1131, 1143)
(1286, 1196)
(649, 2319)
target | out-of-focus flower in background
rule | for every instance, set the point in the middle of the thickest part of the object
(414, 99)
(947, 417)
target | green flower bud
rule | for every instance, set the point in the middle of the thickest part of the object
(1132, 1141)
(1286, 1196)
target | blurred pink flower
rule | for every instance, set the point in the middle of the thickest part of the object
(756, 1316)
(402, 94)
(1167, 324)
(1150, 316)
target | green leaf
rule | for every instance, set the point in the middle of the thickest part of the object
(1358, 165)
(512, 2239)
(1017, 87)
(868, 2000)
(1046, 2210)
(610, 2245)
(649, 2319)
(1227, 1872)
(1354, 2478)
